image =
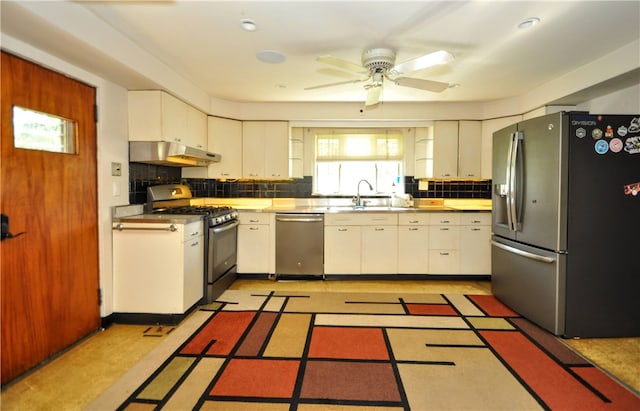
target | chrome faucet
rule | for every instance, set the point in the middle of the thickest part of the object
(356, 200)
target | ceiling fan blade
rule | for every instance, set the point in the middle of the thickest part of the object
(428, 60)
(428, 85)
(335, 84)
(373, 95)
(338, 73)
(343, 64)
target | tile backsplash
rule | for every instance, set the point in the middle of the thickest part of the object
(143, 175)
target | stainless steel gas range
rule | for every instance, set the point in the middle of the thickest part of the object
(222, 233)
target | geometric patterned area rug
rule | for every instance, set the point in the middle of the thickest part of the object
(321, 351)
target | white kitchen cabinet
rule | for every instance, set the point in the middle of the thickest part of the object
(456, 150)
(361, 243)
(469, 149)
(224, 137)
(155, 115)
(255, 243)
(475, 243)
(342, 249)
(413, 243)
(379, 253)
(158, 267)
(265, 149)
(445, 149)
(444, 243)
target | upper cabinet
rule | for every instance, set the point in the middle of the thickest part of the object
(158, 116)
(451, 149)
(224, 138)
(265, 149)
(469, 149)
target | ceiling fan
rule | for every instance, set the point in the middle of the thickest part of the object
(379, 64)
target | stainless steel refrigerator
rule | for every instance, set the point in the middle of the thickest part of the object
(566, 222)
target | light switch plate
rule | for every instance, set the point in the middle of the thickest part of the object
(116, 169)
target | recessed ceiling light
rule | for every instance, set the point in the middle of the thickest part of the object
(248, 25)
(270, 56)
(528, 23)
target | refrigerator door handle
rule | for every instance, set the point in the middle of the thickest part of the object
(514, 196)
(509, 183)
(523, 253)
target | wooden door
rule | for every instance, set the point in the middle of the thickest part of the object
(50, 272)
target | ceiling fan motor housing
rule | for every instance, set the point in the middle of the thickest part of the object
(378, 60)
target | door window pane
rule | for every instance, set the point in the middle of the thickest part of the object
(35, 130)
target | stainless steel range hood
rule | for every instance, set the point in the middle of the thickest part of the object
(170, 154)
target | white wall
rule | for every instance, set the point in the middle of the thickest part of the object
(112, 147)
(626, 101)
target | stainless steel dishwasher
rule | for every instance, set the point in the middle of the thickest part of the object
(300, 245)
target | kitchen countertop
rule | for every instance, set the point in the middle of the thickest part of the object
(159, 218)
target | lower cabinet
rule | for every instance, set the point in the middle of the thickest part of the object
(360, 243)
(342, 249)
(379, 249)
(158, 267)
(475, 243)
(444, 243)
(437, 243)
(256, 249)
(413, 243)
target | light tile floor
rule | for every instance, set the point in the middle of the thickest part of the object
(73, 379)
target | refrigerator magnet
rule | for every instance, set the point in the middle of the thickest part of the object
(615, 145)
(608, 132)
(632, 145)
(601, 146)
(596, 133)
(632, 189)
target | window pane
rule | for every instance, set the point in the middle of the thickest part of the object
(35, 130)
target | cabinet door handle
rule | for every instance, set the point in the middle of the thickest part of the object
(444, 253)
(444, 229)
(343, 229)
(195, 244)
(254, 221)
(413, 221)
(379, 229)
(413, 229)
(476, 221)
(195, 234)
(475, 229)
(254, 228)
(445, 221)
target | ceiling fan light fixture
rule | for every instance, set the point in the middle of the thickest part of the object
(248, 25)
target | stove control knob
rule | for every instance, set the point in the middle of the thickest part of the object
(219, 220)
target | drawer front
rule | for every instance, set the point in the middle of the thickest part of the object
(444, 218)
(413, 219)
(253, 218)
(193, 230)
(475, 218)
(341, 219)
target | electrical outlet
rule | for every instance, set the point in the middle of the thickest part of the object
(116, 169)
(423, 185)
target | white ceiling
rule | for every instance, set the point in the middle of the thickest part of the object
(204, 43)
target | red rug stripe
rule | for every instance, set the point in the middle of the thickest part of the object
(431, 309)
(225, 328)
(254, 341)
(492, 306)
(558, 389)
(622, 399)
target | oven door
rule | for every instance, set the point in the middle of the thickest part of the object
(223, 243)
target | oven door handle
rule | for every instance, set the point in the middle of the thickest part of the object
(225, 227)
